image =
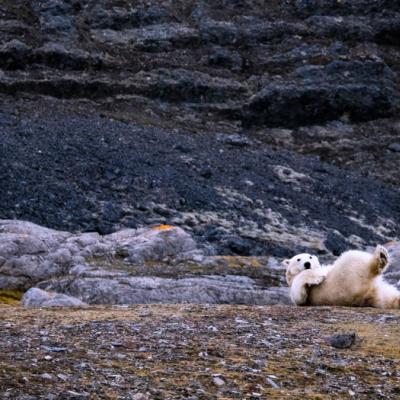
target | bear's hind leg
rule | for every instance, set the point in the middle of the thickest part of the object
(385, 295)
(379, 261)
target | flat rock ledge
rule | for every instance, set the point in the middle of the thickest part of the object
(150, 265)
(40, 298)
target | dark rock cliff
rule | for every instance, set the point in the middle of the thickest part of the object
(261, 127)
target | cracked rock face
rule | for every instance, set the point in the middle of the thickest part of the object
(30, 253)
(158, 265)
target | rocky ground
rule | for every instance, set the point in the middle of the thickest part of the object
(199, 352)
(261, 127)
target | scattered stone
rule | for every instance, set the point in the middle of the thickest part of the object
(343, 340)
(140, 396)
(47, 376)
(288, 175)
(72, 394)
(235, 140)
(271, 382)
(63, 377)
(218, 381)
(54, 349)
(395, 147)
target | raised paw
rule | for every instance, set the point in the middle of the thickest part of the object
(316, 280)
(382, 256)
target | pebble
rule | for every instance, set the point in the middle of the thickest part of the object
(47, 376)
(218, 381)
(395, 147)
(54, 349)
(272, 383)
(77, 394)
(139, 396)
(63, 377)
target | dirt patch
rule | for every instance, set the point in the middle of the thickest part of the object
(202, 352)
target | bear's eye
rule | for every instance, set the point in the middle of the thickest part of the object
(298, 259)
(310, 257)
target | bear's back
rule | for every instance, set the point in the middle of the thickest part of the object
(347, 283)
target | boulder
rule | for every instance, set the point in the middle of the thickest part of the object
(156, 244)
(30, 253)
(40, 298)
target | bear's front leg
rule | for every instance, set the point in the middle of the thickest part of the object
(301, 286)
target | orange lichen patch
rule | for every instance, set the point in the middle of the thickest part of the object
(163, 227)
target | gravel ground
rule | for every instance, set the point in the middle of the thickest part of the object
(199, 352)
(68, 167)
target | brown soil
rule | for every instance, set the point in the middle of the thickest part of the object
(197, 352)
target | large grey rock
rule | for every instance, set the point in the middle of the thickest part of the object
(40, 298)
(30, 253)
(121, 268)
(203, 289)
(155, 244)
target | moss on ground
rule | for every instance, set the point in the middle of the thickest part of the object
(10, 296)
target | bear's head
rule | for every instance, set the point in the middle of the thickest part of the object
(299, 263)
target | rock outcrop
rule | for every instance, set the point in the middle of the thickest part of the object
(156, 265)
(37, 298)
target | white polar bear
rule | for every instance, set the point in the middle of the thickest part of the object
(354, 279)
(303, 271)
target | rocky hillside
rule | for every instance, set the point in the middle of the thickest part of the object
(261, 127)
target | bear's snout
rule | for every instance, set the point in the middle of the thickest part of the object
(307, 265)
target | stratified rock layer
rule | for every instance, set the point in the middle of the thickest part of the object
(120, 114)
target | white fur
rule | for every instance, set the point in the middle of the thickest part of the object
(355, 279)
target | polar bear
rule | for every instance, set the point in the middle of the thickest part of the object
(354, 279)
(308, 271)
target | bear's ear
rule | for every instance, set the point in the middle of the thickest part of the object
(286, 262)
